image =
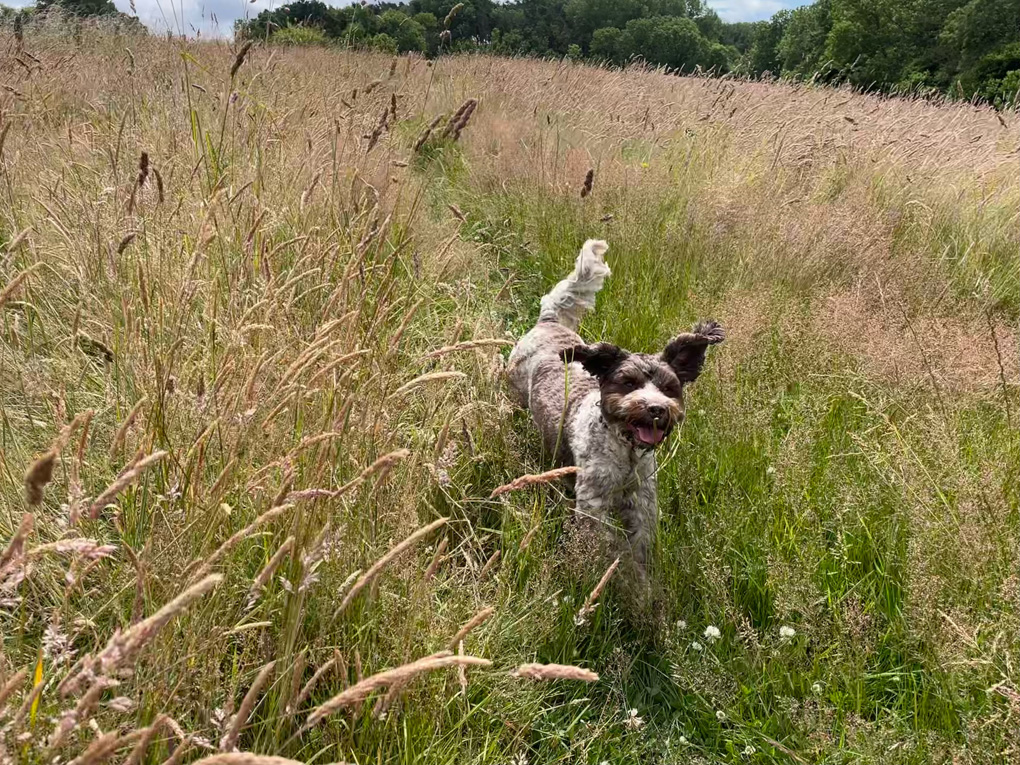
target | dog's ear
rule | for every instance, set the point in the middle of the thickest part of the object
(598, 360)
(685, 354)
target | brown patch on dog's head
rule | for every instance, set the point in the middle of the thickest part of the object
(642, 395)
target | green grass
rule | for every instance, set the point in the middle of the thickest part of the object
(792, 497)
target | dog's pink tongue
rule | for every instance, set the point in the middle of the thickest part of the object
(649, 435)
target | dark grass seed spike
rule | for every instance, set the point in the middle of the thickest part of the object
(239, 59)
(589, 179)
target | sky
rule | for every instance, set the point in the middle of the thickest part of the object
(215, 18)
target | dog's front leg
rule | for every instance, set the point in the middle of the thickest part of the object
(639, 513)
(639, 522)
(593, 510)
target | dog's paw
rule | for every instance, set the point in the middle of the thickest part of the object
(710, 330)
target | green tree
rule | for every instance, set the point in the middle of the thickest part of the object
(303, 13)
(868, 42)
(685, 8)
(710, 25)
(407, 33)
(605, 44)
(665, 40)
(1005, 91)
(979, 27)
(383, 42)
(80, 7)
(509, 43)
(719, 58)
(995, 77)
(801, 50)
(585, 16)
(299, 36)
(430, 29)
(763, 56)
(472, 23)
(739, 35)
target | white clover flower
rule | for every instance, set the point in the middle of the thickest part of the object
(712, 633)
(787, 633)
(770, 470)
(720, 715)
(748, 750)
(817, 688)
(697, 646)
(682, 741)
(681, 625)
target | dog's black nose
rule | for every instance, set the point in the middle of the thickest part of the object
(657, 412)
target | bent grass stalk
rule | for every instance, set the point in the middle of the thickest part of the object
(591, 603)
(386, 559)
(478, 619)
(546, 672)
(424, 379)
(526, 481)
(229, 739)
(402, 675)
(124, 481)
(8, 292)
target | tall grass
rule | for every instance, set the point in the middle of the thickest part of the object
(257, 453)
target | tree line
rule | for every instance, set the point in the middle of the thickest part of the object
(965, 49)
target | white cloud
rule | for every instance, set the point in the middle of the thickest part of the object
(211, 18)
(751, 10)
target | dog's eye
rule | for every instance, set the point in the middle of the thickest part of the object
(671, 390)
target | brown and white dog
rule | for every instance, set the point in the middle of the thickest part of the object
(602, 408)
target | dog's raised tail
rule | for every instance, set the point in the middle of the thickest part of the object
(567, 302)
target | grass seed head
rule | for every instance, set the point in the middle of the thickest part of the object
(239, 58)
(589, 179)
(555, 672)
(525, 481)
(39, 474)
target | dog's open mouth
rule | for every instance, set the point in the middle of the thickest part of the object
(646, 434)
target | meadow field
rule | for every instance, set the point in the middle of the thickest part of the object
(253, 324)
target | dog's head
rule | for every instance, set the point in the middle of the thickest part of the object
(643, 394)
